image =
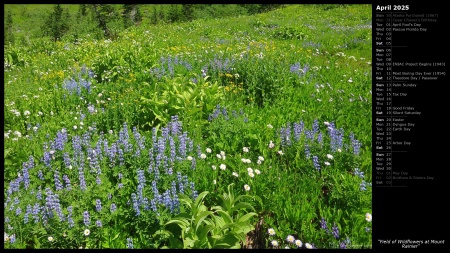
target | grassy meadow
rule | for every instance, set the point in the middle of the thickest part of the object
(252, 131)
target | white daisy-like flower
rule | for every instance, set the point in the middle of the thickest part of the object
(222, 153)
(368, 217)
(235, 174)
(75, 127)
(87, 232)
(222, 166)
(189, 158)
(247, 187)
(269, 126)
(26, 113)
(260, 158)
(308, 246)
(213, 167)
(274, 243)
(219, 156)
(280, 152)
(330, 156)
(249, 170)
(286, 247)
(214, 181)
(271, 231)
(208, 150)
(258, 162)
(203, 156)
(326, 123)
(290, 239)
(327, 163)
(50, 238)
(271, 144)
(251, 174)
(257, 172)
(245, 149)
(298, 243)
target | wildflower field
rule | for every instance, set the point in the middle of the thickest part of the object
(251, 131)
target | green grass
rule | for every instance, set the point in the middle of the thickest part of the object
(302, 71)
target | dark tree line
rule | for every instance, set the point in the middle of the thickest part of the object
(107, 17)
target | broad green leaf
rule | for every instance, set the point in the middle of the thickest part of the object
(226, 217)
(201, 216)
(246, 217)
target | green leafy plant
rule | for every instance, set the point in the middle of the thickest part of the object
(225, 227)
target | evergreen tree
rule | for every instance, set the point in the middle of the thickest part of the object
(188, 11)
(55, 25)
(131, 15)
(102, 14)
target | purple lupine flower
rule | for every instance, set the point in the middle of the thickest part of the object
(66, 159)
(113, 207)
(335, 231)
(12, 238)
(323, 225)
(315, 126)
(35, 213)
(69, 217)
(175, 125)
(130, 243)
(57, 207)
(67, 181)
(309, 134)
(82, 181)
(86, 218)
(39, 193)
(77, 149)
(298, 128)
(58, 184)
(26, 176)
(156, 194)
(98, 223)
(182, 145)
(49, 204)
(358, 173)
(320, 138)
(167, 200)
(193, 163)
(98, 181)
(121, 159)
(316, 163)
(40, 175)
(98, 205)
(180, 182)
(47, 159)
(172, 149)
(355, 144)
(29, 210)
(18, 211)
(135, 204)
(61, 139)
